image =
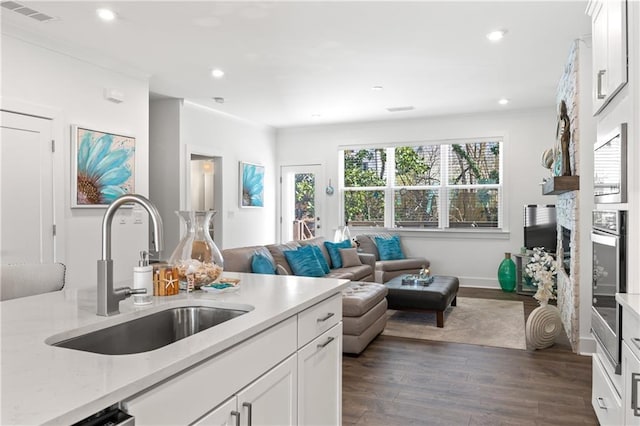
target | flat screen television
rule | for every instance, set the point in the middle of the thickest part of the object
(540, 227)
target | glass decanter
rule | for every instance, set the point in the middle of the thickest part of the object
(197, 258)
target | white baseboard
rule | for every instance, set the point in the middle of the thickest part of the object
(476, 282)
(586, 345)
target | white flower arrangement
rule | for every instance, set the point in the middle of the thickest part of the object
(542, 268)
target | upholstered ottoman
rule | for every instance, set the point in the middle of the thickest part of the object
(436, 296)
(364, 308)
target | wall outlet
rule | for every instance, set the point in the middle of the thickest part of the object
(137, 217)
(123, 219)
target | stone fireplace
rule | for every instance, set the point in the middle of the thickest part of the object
(573, 207)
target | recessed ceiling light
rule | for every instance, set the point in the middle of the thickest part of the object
(316, 115)
(377, 88)
(496, 35)
(106, 14)
(503, 101)
(217, 73)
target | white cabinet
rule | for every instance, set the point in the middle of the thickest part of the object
(270, 400)
(631, 368)
(609, 32)
(288, 374)
(226, 414)
(631, 394)
(195, 392)
(604, 397)
(320, 380)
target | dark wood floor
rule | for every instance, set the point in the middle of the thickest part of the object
(398, 381)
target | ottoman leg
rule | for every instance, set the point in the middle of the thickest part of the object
(440, 319)
(454, 301)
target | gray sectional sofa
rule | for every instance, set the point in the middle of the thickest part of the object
(385, 270)
(364, 303)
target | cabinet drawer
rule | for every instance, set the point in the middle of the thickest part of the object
(604, 399)
(187, 396)
(319, 318)
(631, 332)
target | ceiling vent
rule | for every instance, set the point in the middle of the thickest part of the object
(26, 11)
(399, 109)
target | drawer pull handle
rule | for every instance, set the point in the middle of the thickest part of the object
(248, 406)
(600, 95)
(322, 345)
(236, 414)
(635, 383)
(601, 403)
(326, 317)
(636, 342)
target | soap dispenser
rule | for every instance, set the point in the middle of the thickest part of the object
(143, 278)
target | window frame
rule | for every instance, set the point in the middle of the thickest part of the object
(443, 190)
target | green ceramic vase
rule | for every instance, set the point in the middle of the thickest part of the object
(507, 274)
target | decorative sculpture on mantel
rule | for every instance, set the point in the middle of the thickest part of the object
(563, 135)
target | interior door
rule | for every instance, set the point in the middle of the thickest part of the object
(301, 213)
(26, 181)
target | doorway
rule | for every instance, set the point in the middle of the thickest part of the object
(301, 211)
(205, 190)
(26, 176)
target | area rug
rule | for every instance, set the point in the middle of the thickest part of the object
(485, 322)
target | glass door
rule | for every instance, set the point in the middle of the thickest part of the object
(300, 217)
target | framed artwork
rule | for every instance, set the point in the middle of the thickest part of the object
(102, 167)
(251, 185)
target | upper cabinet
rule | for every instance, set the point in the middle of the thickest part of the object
(609, 32)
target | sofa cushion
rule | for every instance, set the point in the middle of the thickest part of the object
(239, 259)
(278, 257)
(334, 252)
(321, 259)
(368, 242)
(389, 248)
(349, 257)
(409, 263)
(303, 262)
(262, 263)
(353, 273)
(360, 297)
(317, 241)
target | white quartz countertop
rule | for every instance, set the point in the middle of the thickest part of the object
(43, 384)
(630, 303)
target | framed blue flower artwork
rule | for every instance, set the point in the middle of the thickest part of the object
(251, 185)
(103, 167)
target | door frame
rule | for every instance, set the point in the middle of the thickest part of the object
(320, 196)
(61, 181)
(218, 200)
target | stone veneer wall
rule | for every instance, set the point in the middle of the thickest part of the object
(567, 205)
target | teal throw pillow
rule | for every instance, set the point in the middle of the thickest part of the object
(303, 262)
(323, 262)
(334, 251)
(389, 248)
(261, 264)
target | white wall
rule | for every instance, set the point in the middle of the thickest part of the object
(208, 132)
(71, 92)
(475, 260)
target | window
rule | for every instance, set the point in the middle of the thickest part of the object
(448, 185)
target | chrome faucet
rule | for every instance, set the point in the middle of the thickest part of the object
(108, 297)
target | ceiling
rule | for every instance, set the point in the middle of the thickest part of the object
(300, 63)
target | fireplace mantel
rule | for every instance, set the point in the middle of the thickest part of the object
(561, 184)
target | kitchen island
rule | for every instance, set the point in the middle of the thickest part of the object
(43, 384)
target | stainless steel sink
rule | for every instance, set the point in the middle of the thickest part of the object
(152, 331)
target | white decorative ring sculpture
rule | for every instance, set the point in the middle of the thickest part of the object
(543, 326)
